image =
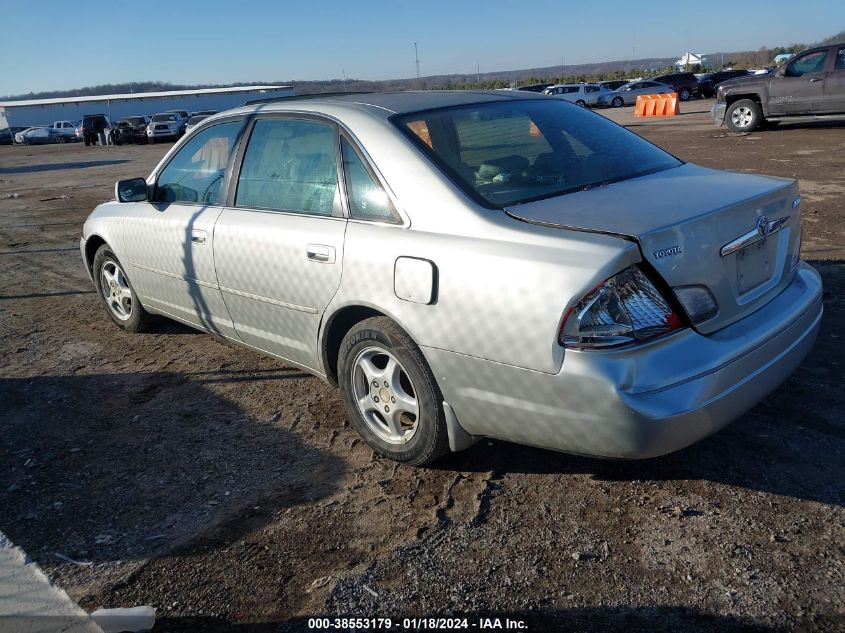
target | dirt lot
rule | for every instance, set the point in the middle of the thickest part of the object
(231, 493)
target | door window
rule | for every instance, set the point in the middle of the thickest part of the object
(195, 174)
(367, 199)
(840, 60)
(806, 64)
(289, 165)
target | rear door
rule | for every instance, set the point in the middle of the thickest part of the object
(799, 87)
(834, 84)
(278, 245)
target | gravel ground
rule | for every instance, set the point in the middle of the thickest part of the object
(231, 493)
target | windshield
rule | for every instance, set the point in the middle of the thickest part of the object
(135, 120)
(505, 153)
(195, 119)
(164, 117)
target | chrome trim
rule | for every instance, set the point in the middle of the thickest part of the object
(274, 302)
(207, 284)
(764, 229)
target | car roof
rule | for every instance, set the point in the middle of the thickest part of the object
(386, 104)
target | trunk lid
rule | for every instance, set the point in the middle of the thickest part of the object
(695, 226)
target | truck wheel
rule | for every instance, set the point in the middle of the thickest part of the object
(391, 394)
(744, 115)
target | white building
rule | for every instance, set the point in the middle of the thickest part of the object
(45, 111)
(690, 59)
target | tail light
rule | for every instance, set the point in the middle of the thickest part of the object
(627, 308)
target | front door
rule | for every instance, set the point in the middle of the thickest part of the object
(798, 88)
(169, 244)
(278, 244)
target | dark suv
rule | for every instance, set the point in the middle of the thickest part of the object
(92, 125)
(132, 129)
(812, 83)
(708, 83)
(685, 84)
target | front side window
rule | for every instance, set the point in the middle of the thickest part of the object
(806, 64)
(195, 174)
(367, 199)
(506, 153)
(289, 165)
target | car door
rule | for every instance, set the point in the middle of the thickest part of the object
(834, 85)
(799, 86)
(168, 239)
(278, 245)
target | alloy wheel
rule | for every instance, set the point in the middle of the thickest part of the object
(116, 290)
(742, 116)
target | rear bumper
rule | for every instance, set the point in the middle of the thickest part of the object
(643, 402)
(717, 113)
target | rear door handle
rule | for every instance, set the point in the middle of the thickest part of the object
(815, 79)
(198, 236)
(320, 253)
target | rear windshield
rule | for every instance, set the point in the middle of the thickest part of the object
(506, 153)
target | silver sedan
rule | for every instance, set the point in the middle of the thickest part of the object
(467, 265)
(627, 94)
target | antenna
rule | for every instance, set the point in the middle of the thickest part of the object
(417, 57)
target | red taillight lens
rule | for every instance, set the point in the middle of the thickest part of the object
(627, 308)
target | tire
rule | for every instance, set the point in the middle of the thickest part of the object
(417, 432)
(581, 103)
(617, 102)
(684, 94)
(744, 115)
(151, 140)
(127, 313)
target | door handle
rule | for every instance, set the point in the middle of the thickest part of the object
(198, 236)
(815, 79)
(320, 253)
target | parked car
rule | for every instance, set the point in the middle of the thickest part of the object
(811, 84)
(38, 135)
(91, 127)
(580, 94)
(167, 125)
(184, 115)
(685, 84)
(7, 135)
(533, 87)
(132, 129)
(194, 121)
(708, 82)
(614, 84)
(627, 94)
(503, 273)
(66, 130)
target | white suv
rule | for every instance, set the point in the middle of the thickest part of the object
(167, 125)
(582, 94)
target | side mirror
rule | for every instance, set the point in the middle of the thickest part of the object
(131, 190)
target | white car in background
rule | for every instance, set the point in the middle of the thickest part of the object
(37, 135)
(580, 94)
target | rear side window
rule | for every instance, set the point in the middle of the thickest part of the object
(289, 165)
(840, 60)
(504, 153)
(195, 174)
(367, 198)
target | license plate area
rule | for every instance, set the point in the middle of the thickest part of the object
(754, 265)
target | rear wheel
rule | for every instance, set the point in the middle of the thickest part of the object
(744, 115)
(617, 102)
(116, 292)
(391, 394)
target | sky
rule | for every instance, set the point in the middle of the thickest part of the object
(53, 45)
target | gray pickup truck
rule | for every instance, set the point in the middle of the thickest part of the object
(812, 83)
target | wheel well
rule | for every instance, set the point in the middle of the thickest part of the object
(338, 325)
(91, 245)
(734, 98)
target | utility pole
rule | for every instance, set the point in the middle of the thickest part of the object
(561, 69)
(478, 72)
(417, 57)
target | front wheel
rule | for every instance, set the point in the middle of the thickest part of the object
(685, 94)
(744, 115)
(390, 393)
(617, 102)
(581, 103)
(117, 293)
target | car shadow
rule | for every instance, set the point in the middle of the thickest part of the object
(109, 467)
(32, 169)
(790, 444)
